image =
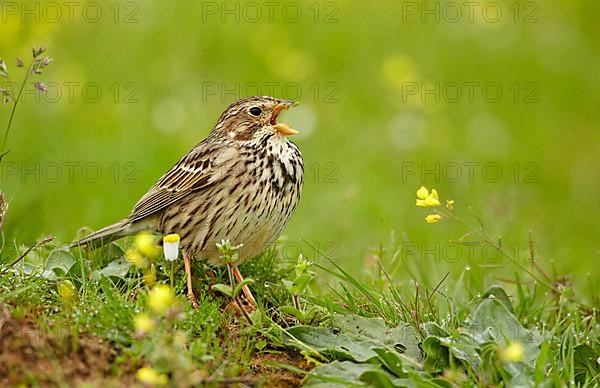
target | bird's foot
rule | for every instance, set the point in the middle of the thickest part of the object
(188, 274)
(245, 289)
(192, 298)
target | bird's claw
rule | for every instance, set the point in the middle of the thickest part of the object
(192, 298)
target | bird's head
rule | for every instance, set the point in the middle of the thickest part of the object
(254, 117)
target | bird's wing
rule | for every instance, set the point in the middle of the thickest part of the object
(197, 170)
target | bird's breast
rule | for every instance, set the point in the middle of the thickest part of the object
(251, 206)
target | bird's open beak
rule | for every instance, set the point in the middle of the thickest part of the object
(282, 128)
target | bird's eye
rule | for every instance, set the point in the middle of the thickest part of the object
(255, 111)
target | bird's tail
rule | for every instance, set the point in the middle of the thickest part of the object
(105, 235)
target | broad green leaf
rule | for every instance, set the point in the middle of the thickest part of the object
(437, 354)
(522, 376)
(355, 338)
(347, 374)
(499, 293)
(118, 268)
(403, 338)
(104, 255)
(433, 329)
(240, 285)
(377, 378)
(391, 361)
(461, 297)
(300, 283)
(223, 289)
(294, 312)
(60, 261)
(337, 346)
(493, 322)
(460, 345)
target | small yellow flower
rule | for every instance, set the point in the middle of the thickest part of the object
(450, 204)
(146, 244)
(149, 278)
(171, 246)
(173, 237)
(426, 199)
(143, 323)
(428, 202)
(160, 298)
(151, 376)
(513, 352)
(67, 292)
(422, 193)
(134, 257)
(433, 218)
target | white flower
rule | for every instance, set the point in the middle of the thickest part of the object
(171, 246)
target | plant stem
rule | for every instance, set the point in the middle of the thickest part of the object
(235, 298)
(14, 108)
(38, 244)
(172, 272)
(486, 238)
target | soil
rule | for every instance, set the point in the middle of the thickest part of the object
(270, 375)
(31, 355)
(46, 357)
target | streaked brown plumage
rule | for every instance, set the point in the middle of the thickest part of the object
(242, 184)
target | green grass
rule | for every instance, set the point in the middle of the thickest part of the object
(372, 330)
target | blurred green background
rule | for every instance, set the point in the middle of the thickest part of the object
(385, 97)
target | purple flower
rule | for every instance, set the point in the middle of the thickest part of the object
(40, 86)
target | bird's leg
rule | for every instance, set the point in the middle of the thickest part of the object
(187, 259)
(245, 289)
(230, 272)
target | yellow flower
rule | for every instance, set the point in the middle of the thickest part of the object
(150, 376)
(67, 292)
(450, 204)
(433, 218)
(174, 237)
(513, 352)
(422, 193)
(146, 244)
(133, 256)
(428, 202)
(149, 278)
(426, 199)
(171, 246)
(143, 323)
(160, 298)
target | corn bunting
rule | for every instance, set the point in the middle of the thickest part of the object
(242, 184)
